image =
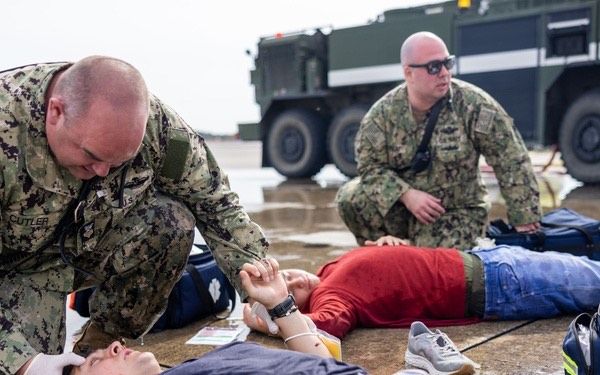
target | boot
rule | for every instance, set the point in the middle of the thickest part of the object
(93, 338)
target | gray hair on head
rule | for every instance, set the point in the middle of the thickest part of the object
(100, 77)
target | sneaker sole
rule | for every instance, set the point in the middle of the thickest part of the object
(422, 363)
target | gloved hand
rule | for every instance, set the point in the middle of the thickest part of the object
(44, 364)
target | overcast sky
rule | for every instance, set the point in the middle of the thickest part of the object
(191, 52)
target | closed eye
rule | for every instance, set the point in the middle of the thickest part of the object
(288, 278)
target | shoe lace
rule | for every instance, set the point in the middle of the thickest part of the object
(446, 346)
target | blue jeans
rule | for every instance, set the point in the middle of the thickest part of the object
(524, 284)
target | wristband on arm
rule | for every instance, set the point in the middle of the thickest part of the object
(284, 309)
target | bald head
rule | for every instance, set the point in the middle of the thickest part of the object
(96, 115)
(93, 78)
(411, 46)
(424, 85)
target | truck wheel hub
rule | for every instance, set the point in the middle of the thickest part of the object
(587, 140)
(292, 144)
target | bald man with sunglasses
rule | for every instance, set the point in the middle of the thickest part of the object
(433, 196)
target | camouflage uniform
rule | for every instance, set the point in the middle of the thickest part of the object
(470, 125)
(134, 229)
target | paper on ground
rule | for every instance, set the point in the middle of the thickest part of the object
(219, 335)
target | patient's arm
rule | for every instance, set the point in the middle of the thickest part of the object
(257, 323)
(293, 328)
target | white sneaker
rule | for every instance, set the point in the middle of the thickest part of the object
(435, 352)
(411, 371)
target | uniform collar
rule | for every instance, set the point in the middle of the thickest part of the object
(407, 113)
(41, 165)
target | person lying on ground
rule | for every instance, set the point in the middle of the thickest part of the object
(310, 356)
(234, 358)
(392, 286)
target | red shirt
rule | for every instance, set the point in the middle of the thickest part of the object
(389, 286)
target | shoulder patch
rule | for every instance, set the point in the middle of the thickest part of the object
(178, 148)
(373, 134)
(484, 120)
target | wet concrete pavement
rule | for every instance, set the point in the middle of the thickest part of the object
(301, 222)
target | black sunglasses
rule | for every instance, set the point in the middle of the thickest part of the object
(433, 67)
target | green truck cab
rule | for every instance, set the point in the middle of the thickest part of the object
(538, 58)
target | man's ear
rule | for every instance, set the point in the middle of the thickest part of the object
(55, 110)
(407, 72)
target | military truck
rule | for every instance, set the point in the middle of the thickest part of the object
(538, 58)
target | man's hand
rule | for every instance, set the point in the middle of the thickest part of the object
(43, 364)
(424, 206)
(387, 240)
(528, 228)
(268, 292)
(266, 269)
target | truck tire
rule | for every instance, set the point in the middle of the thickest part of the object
(340, 140)
(296, 143)
(579, 138)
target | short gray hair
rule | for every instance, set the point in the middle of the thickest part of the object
(94, 77)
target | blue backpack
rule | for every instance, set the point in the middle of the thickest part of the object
(563, 230)
(582, 340)
(203, 290)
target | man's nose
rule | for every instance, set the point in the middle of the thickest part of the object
(444, 71)
(101, 169)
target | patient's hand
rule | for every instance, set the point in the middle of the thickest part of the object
(387, 240)
(265, 268)
(268, 292)
(253, 321)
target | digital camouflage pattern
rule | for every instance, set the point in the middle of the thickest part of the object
(471, 124)
(134, 229)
